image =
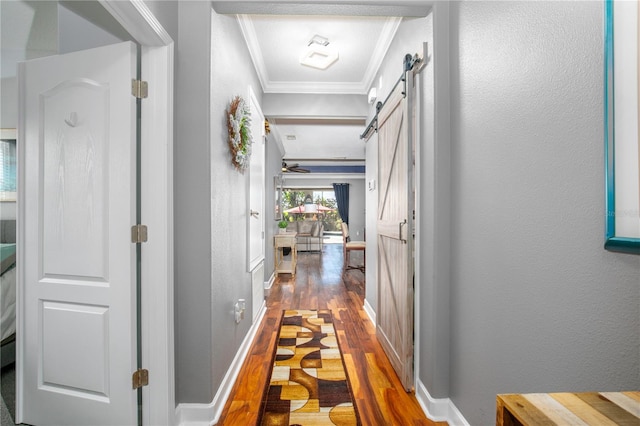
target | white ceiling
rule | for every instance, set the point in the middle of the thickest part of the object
(276, 43)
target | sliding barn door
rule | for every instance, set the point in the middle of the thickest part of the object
(395, 239)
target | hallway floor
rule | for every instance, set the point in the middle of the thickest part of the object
(320, 284)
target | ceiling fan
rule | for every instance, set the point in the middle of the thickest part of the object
(293, 168)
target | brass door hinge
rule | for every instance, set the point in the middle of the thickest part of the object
(139, 89)
(139, 234)
(140, 378)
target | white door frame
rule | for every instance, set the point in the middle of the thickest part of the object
(157, 211)
(157, 206)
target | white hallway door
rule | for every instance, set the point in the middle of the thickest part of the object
(255, 227)
(78, 270)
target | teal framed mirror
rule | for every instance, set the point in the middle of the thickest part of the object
(621, 126)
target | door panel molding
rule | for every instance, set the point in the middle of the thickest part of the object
(77, 342)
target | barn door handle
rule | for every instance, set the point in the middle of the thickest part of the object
(400, 231)
(254, 213)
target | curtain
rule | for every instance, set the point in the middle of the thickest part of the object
(342, 198)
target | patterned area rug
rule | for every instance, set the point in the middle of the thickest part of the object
(309, 384)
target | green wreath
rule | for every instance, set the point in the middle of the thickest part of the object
(239, 127)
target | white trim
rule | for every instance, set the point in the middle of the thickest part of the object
(316, 87)
(323, 176)
(250, 36)
(411, 8)
(439, 409)
(371, 313)
(157, 52)
(20, 251)
(272, 279)
(209, 414)
(139, 21)
(157, 214)
(417, 224)
(8, 133)
(377, 56)
(256, 113)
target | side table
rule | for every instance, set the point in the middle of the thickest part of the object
(282, 265)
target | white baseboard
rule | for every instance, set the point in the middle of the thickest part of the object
(209, 414)
(269, 284)
(371, 313)
(439, 409)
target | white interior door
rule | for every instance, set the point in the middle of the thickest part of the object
(395, 236)
(77, 273)
(256, 223)
(256, 185)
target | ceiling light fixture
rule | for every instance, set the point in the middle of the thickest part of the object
(318, 39)
(318, 55)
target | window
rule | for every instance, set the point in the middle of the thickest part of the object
(7, 170)
(294, 197)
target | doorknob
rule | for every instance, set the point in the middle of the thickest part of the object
(254, 213)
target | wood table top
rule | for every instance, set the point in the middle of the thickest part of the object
(585, 408)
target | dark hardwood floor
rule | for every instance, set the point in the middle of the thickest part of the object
(321, 284)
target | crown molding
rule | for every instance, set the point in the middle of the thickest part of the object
(249, 33)
(315, 87)
(382, 47)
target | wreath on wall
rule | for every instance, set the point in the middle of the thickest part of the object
(239, 126)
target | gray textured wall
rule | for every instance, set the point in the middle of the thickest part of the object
(213, 66)
(232, 74)
(192, 195)
(537, 305)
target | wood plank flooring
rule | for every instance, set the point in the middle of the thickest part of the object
(321, 284)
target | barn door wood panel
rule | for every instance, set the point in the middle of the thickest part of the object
(395, 240)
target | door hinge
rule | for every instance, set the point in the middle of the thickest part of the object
(140, 378)
(139, 234)
(139, 89)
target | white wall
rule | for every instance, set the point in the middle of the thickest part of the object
(371, 222)
(101, 30)
(537, 305)
(21, 39)
(28, 30)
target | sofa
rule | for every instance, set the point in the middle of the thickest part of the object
(309, 236)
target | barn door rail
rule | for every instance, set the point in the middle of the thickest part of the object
(408, 63)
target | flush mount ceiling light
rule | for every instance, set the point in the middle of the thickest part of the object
(318, 55)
